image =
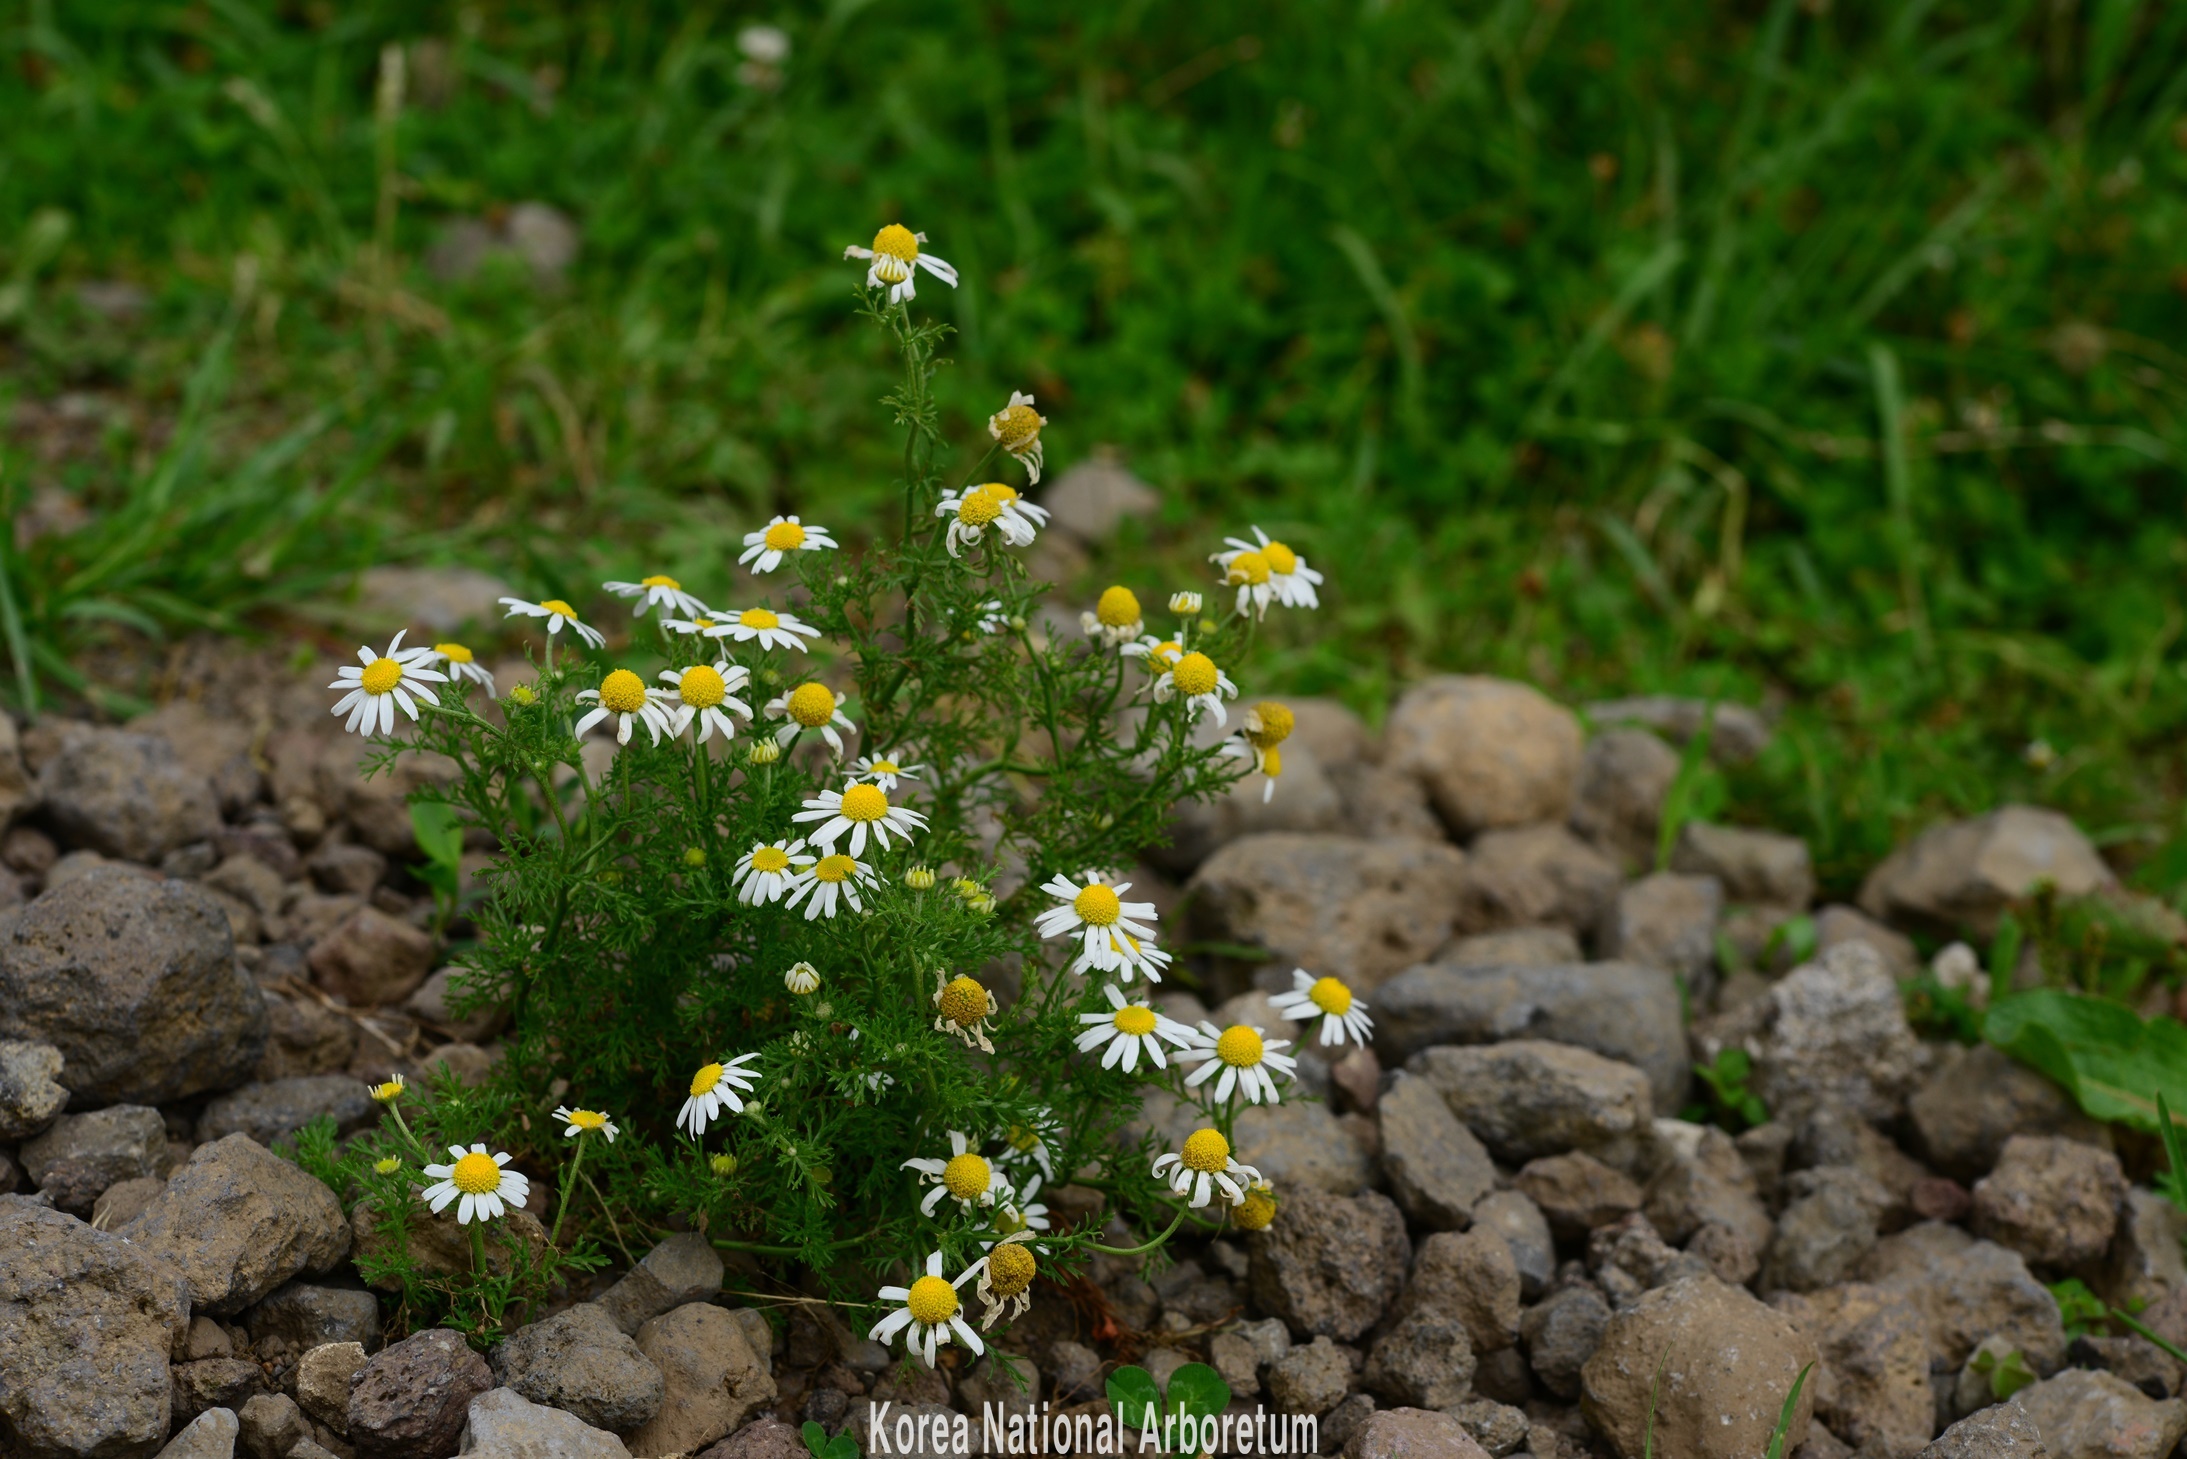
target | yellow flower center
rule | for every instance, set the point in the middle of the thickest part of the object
(812, 705)
(1207, 1151)
(702, 623)
(1016, 425)
(834, 868)
(701, 687)
(705, 1079)
(1331, 996)
(476, 1174)
(1009, 1223)
(1274, 723)
(964, 1002)
(1134, 1020)
(759, 618)
(783, 536)
(1239, 1047)
(622, 692)
(770, 858)
(897, 242)
(1118, 608)
(1024, 1139)
(391, 1090)
(1272, 762)
(1166, 655)
(864, 803)
(1256, 1211)
(660, 580)
(886, 767)
(455, 653)
(932, 1301)
(1247, 567)
(1099, 905)
(1194, 674)
(966, 1176)
(1281, 559)
(587, 1119)
(559, 608)
(1000, 492)
(381, 675)
(977, 509)
(1009, 1269)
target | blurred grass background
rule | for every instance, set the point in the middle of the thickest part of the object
(1826, 354)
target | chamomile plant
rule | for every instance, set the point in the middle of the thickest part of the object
(832, 908)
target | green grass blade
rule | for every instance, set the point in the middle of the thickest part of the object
(1784, 1416)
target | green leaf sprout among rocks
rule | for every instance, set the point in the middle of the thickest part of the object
(837, 936)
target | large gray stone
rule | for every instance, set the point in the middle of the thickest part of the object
(81, 1156)
(1330, 1265)
(1492, 753)
(1737, 733)
(683, 1268)
(1525, 1230)
(298, 1317)
(2089, 1415)
(1872, 1389)
(1752, 866)
(238, 1221)
(1827, 1230)
(1619, 1010)
(1300, 1147)
(125, 795)
(580, 1361)
(1833, 1031)
(2054, 1201)
(412, 1399)
(1305, 801)
(503, 1424)
(30, 1094)
(1668, 921)
(1534, 876)
(2001, 1431)
(1437, 1170)
(1969, 1290)
(1725, 1361)
(267, 1111)
(1528, 1098)
(1618, 805)
(712, 1380)
(211, 1435)
(1963, 874)
(87, 1324)
(1979, 1098)
(135, 982)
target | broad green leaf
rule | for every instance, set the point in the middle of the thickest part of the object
(2114, 1063)
(842, 1446)
(815, 1437)
(1196, 1390)
(1138, 1402)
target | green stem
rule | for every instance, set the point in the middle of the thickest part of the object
(1145, 1246)
(570, 1173)
(417, 1146)
(478, 1249)
(609, 1212)
(2143, 1331)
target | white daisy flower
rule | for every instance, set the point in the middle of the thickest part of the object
(657, 592)
(1090, 913)
(965, 1177)
(821, 882)
(896, 254)
(1016, 506)
(1267, 570)
(1267, 725)
(1006, 1276)
(1016, 428)
(624, 696)
(1203, 686)
(1203, 1162)
(1341, 1011)
(1022, 1211)
(931, 1313)
(1139, 955)
(801, 979)
(1161, 654)
(765, 549)
(809, 707)
(386, 681)
(962, 1007)
(1115, 619)
(463, 664)
(1029, 1142)
(765, 627)
(557, 613)
(1129, 1030)
(477, 1178)
(705, 692)
(883, 771)
(975, 509)
(576, 1122)
(854, 810)
(1245, 1056)
(767, 871)
(1186, 605)
(712, 1087)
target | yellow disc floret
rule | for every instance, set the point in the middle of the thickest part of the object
(1016, 425)
(622, 692)
(966, 1176)
(785, 536)
(864, 803)
(1256, 1211)
(1272, 723)
(1239, 1047)
(381, 675)
(963, 1002)
(660, 580)
(455, 653)
(1271, 762)
(770, 858)
(1118, 608)
(932, 1301)
(1166, 655)
(834, 868)
(389, 1092)
(897, 242)
(977, 508)
(1195, 674)
(1331, 996)
(1248, 568)
(476, 1174)
(1010, 1269)
(1206, 1151)
(708, 1076)
(558, 608)
(587, 1119)
(1281, 559)
(812, 705)
(1134, 1020)
(701, 687)
(1099, 905)
(1001, 492)
(759, 618)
